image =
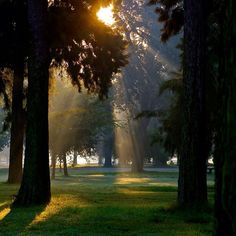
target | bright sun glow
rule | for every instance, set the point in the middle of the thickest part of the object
(105, 14)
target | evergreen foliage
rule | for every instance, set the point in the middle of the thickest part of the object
(171, 14)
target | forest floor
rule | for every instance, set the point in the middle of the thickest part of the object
(106, 203)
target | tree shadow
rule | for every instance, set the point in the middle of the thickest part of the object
(16, 219)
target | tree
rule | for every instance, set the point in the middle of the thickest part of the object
(18, 113)
(225, 163)
(192, 187)
(68, 47)
(194, 152)
(73, 127)
(35, 186)
(13, 50)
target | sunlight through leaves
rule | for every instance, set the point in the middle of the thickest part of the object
(105, 14)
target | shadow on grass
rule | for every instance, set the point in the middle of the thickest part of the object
(118, 220)
(15, 220)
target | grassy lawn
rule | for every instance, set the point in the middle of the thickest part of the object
(106, 204)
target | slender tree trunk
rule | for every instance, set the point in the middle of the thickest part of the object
(192, 166)
(54, 160)
(138, 158)
(17, 127)
(225, 162)
(75, 159)
(65, 165)
(108, 150)
(18, 113)
(60, 164)
(35, 186)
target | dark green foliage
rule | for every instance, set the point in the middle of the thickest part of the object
(171, 14)
(13, 42)
(92, 52)
(168, 134)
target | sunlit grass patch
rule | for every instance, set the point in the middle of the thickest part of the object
(93, 204)
(128, 180)
(4, 212)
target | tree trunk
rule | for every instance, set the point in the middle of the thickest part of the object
(225, 162)
(60, 164)
(18, 113)
(137, 145)
(17, 127)
(108, 150)
(65, 165)
(35, 186)
(54, 160)
(75, 163)
(193, 157)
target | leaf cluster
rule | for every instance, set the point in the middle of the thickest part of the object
(171, 14)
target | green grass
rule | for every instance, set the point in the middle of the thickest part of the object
(106, 204)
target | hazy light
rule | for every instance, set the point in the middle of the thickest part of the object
(105, 14)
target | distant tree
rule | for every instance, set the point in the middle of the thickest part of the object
(167, 135)
(73, 127)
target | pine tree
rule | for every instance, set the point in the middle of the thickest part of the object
(225, 162)
(35, 186)
(192, 15)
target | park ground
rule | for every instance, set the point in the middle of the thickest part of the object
(96, 201)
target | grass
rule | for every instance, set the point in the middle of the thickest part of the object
(105, 204)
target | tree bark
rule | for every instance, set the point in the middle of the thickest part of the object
(17, 127)
(35, 186)
(54, 160)
(108, 144)
(193, 157)
(65, 165)
(60, 164)
(75, 159)
(17, 130)
(18, 113)
(225, 162)
(137, 145)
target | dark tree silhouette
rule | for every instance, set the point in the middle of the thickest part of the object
(225, 162)
(35, 186)
(194, 149)
(18, 112)
(194, 152)
(13, 39)
(171, 14)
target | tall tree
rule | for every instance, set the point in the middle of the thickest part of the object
(35, 186)
(193, 155)
(17, 109)
(225, 162)
(194, 149)
(13, 40)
